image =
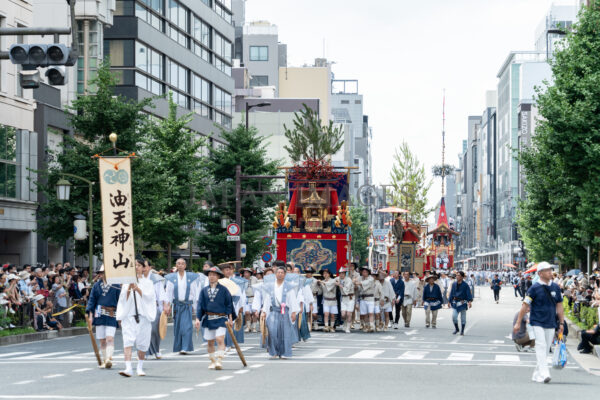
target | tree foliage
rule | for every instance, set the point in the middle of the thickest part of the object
(360, 234)
(560, 214)
(309, 139)
(409, 184)
(93, 117)
(245, 148)
(174, 173)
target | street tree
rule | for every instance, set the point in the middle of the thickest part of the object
(93, 117)
(246, 148)
(360, 233)
(173, 172)
(311, 140)
(559, 216)
(409, 184)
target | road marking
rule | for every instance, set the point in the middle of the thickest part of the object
(53, 376)
(205, 384)
(257, 365)
(413, 332)
(242, 371)
(413, 355)
(36, 356)
(321, 353)
(366, 354)
(496, 341)
(16, 353)
(65, 397)
(388, 337)
(224, 378)
(505, 358)
(82, 370)
(460, 357)
(182, 390)
(22, 382)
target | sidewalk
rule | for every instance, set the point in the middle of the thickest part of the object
(589, 362)
(45, 335)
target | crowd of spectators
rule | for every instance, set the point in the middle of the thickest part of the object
(29, 296)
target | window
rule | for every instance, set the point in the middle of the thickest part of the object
(148, 60)
(222, 47)
(357, 102)
(259, 80)
(146, 82)
(201, 31)
(2, 25)
(8, 161)
(179, 28)
(95, 55)
(345, 101)
(151, 12)
(259, 53)
(120, 53)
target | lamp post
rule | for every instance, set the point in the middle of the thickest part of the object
(251, 106)
(63, 192)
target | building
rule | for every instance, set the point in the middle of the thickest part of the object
(518, 76)
(261, 54)
(308, 82)
(18, 148)
(551, 28)
(185, 48)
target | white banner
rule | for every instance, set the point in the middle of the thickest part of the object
(117, 220)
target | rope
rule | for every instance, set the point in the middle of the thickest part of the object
(68, 309)
(115, 165)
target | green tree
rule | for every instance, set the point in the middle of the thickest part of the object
(309, 139)
(560, 213)
(410, 185)
(360, 233)
(174, 172)
(246, 148)
(93, 116)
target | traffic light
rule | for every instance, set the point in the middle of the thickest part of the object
(29, 79)
(56, 75)
(31, 56)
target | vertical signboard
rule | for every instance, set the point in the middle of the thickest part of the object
(117, 219)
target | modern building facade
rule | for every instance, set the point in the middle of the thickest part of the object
(261, 54)
(18, 148)
(179, 46)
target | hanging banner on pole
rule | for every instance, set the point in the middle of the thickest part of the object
(117, 219)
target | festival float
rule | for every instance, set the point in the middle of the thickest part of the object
(313, 227)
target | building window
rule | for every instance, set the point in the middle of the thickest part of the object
(259, 53)
(259, 80)
(149, 60)
(120, 53)
(95, 55)
(178, 29)
(345, 102)
(357, 102)
(8, 161)
(150, 11)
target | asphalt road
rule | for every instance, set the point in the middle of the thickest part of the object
(409, 363)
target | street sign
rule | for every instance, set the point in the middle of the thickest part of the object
(233, 229)
(267, 241)
(380, 235)
(267, 257)
(233, 238)
(243, 249)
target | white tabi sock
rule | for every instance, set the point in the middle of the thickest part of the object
(140, 364)
(104, 354)
(128, 365)
(109, 351)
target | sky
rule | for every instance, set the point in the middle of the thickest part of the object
(404, 54)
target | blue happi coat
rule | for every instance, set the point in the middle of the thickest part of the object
(460, 296)
(219, 302)
(182, 313)
(103, 294)
(432, 297)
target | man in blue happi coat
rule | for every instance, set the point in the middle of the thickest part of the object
(182, 294)
(432, 301)
(460, 300)
(101, 311)
(214, 309)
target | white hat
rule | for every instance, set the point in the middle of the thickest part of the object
(24, 275)
(543, 266)
(11, 277)
(38, 297)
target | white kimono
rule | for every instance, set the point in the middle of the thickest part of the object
(137, 333)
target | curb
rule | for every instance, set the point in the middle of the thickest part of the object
(590, 364)
(36, 336)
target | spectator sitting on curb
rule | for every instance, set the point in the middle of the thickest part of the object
(589, 338)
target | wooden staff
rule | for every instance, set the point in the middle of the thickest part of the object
(235, 343)
(94, 344)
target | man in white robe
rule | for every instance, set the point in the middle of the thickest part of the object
(136, 322)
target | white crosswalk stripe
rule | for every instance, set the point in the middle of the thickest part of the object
(321, 353)
(413, 355)
(42, 355)
(16, 353)
(461, 357)
(366, 354)
(507, 357)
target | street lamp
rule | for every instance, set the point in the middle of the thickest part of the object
(224, 221)
(251, 106)
(63, 192)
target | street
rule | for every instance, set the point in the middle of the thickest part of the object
(412, 362)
